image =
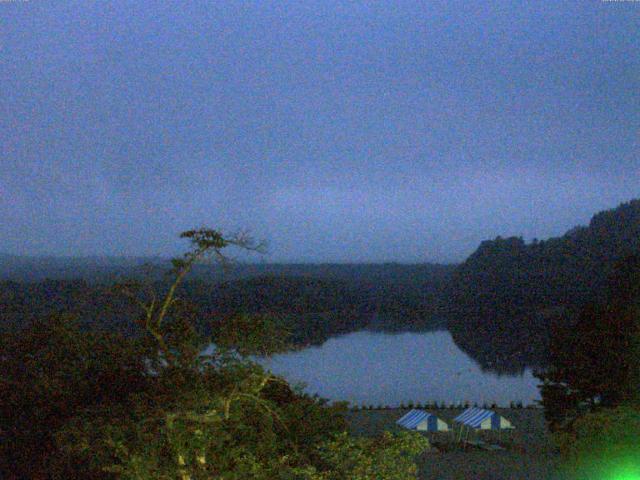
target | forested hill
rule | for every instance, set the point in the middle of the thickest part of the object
(316, 301)
(502, 299)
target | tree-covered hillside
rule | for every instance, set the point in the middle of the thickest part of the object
(503, 298)
(317, 302)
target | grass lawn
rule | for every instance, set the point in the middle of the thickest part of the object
(529, 455)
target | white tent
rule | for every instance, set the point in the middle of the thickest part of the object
(482, 419)
(422, 421)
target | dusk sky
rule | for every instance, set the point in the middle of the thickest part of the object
(379, 131)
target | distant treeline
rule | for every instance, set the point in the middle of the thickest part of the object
(105, 270)
(318, 302)
(503, 299)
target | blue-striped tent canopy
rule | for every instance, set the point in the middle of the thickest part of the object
(422, 421)
(483, 419)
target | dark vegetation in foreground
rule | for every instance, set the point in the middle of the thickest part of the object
(100, 405)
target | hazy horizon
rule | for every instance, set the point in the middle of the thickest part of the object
(259, 259)
(339, 133)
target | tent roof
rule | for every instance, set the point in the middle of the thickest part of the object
(413, 418)
(473, 417)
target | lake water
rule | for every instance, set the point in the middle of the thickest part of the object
(389, 369)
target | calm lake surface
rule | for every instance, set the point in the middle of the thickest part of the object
(389, 369)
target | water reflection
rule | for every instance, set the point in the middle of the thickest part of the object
(389, 369)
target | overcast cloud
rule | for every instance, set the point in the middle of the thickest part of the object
(400, 131)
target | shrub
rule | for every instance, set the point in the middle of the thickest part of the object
(387, 457)
(603, 444)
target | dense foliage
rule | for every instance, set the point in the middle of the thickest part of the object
(52, 370)
(603, 444)
(595, 361)
(504, 298)
(591, 389)
(83, 403)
